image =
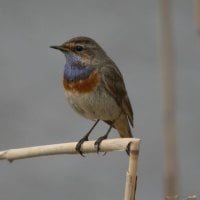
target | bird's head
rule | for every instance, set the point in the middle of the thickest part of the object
(82, 51)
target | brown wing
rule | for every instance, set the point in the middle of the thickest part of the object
(114, 83)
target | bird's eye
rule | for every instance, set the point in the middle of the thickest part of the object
(79, 48)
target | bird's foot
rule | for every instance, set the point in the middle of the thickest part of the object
(98, 142)
(80, 143)
(128, 148)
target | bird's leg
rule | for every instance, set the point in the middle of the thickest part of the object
(99, 140)
(85, 138)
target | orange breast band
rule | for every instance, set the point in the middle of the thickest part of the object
(82, 86)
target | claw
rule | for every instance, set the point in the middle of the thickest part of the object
(128, 149)
(98, 142)
(104, 153)
(79, 144)
(85, 138)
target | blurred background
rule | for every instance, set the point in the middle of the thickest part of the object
(33, 108)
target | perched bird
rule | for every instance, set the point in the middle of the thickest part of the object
(95, 87)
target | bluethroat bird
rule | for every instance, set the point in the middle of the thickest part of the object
(95, 88)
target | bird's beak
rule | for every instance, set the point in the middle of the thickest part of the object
(61, 48)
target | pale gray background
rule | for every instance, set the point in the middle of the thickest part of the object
(33, 110)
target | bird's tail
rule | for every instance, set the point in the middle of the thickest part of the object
(122, 125)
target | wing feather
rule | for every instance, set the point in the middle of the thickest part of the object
(114, 83)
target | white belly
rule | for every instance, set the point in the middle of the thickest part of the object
(94, 105)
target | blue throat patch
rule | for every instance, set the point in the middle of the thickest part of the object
(74, 71)
(74, 74)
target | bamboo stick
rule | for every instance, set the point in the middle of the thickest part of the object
(131, 176)
(68, 148)
(169, 124)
